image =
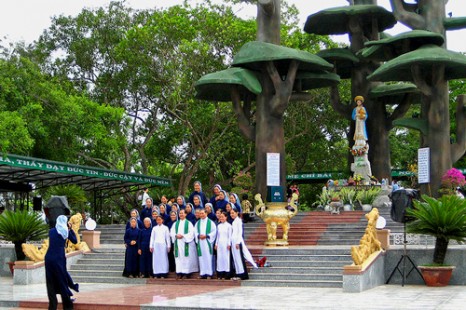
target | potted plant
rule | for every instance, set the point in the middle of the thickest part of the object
(335, 202)
(366, 197)
(445, 219)
(323, 200)
(347, 196)
(21, 226)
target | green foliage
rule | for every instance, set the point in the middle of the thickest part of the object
(367, 196)
(444, 218)
(42, 117)
(348, 195)
(243, 184)
(14, 136)
(75, 195)
(323, 199)
(315, 135)
(113, 87)
(21, 226)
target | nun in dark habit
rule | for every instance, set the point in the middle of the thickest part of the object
(57, 278)
(131, 255)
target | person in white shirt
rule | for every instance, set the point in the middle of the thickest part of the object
(223, 247)
(145, 195)
(237, 244)
(182, 234)
(160, 245)
(205, 232)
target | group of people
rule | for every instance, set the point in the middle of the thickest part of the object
(202, 235)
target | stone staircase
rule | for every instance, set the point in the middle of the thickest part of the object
(319, 247)
(301, 267)
(317, 228)
(103, 265)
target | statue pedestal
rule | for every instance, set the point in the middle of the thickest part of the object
(383, 235)
(362, 166)
(29, 272)
(92, 238)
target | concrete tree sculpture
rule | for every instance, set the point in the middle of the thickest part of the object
(429, 67)
(277, 73)
(363, 21)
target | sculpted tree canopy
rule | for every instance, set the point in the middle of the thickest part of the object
(362, 23)
(276, 68)
(424, 65)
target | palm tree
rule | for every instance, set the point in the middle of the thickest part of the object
(20, 227)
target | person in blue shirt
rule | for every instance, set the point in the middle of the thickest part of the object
(147, 209)
(198, 191)
(190, 216)
(180, 201)
(145, 255)
(134, 213)
(57, 278)
(131, 255)
(222, 201)
(213, 200)
(163, 213)
(235, 200)
(210, 212)
(198, 204)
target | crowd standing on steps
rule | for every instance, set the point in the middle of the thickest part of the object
(197, 235)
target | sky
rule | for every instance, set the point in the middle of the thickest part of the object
(24, 20)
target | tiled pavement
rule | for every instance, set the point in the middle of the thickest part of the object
(154, 296)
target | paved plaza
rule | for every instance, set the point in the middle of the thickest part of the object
(152, 296)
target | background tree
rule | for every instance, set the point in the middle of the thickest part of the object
(430, 67)
(266, 74)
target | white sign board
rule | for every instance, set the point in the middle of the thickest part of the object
(423, 165)
(273, 169)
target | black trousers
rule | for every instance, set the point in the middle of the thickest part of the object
(53, 301)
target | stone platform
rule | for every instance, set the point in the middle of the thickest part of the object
(147, 297)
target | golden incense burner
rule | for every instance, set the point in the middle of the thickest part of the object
(276, 214)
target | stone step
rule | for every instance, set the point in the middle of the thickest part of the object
(116, 267)
(95, 273)
(296, 276)
(318, 251)
(102, 261)
(306, 258)
(111, 256)
(292, 283)
(305, 269)
(305, 263)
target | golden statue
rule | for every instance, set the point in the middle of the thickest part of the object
(276, 214)
(33, 252)
(369, 242)
(37, 254)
